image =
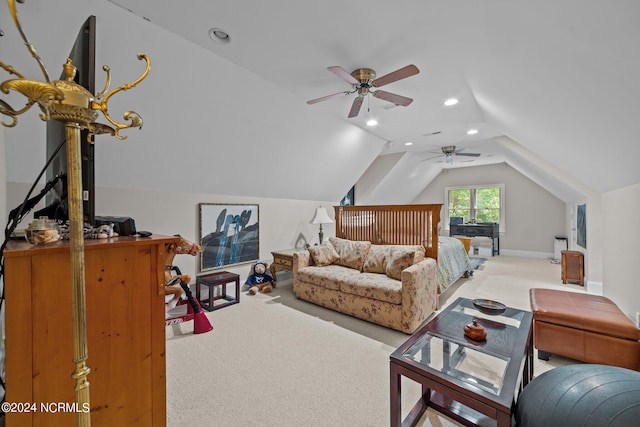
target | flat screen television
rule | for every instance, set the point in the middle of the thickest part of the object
(83, 56)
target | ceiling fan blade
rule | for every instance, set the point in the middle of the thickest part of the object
(431, 158)
(324, 98)
(468, 154)
(392, 97)
(402, 73)
(343, 74)
(355, 107)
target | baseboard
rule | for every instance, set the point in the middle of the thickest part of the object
(526, 254)
(595, 288)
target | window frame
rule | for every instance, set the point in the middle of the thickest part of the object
(472, 188)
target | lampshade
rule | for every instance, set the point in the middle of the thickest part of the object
(321, 217)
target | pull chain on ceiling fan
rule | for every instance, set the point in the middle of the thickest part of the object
(363, 80)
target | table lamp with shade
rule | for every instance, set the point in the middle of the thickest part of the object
(321, 217)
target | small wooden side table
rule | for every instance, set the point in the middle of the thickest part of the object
(219, 278)
(282, 260)
(573, 267)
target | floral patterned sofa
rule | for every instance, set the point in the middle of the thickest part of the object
(391, 285)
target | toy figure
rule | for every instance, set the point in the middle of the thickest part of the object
(259, 281)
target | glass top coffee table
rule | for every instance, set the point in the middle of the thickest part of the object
(473, 382)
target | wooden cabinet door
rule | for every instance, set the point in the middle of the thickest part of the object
(125, 333)
(573, 267)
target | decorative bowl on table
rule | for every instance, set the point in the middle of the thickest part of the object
(488, 306)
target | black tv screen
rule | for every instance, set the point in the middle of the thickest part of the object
(83, 57)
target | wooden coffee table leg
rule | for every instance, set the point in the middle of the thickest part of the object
(504, 419)
(395, 393)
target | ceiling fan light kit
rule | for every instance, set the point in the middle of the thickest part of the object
(363, 80)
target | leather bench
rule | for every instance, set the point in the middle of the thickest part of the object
(585, 327)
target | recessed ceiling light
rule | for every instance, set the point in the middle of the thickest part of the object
(472, 131)
(219, 35)
(451, 101)
(408, 143)
(372, 122)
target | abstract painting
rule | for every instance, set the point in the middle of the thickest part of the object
(581, 220)
(229, 234)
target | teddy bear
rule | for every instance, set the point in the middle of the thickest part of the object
(259, 281)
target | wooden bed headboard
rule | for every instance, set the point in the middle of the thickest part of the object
(391, 225)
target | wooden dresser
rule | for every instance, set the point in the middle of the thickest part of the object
(573, 267)
(124, 281)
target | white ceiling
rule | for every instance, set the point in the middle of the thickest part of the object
(558, 78)
(551, 85)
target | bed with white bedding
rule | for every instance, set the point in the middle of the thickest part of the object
(453, 261)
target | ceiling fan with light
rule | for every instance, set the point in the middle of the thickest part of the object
(448, 151)
(363, 80)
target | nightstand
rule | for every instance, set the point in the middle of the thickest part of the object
(282, 260)
(573, 267)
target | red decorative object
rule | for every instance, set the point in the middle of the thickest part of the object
(475, 331)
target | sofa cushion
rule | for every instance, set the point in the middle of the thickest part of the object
(376, 259)
(401, 257)
(352, 252)
(330, 276)
(375, 286)
(324, 254)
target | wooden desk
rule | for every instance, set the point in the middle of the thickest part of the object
(282, 260)
(491, 230)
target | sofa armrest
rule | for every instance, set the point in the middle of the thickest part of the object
(301, 258)
(419, 293)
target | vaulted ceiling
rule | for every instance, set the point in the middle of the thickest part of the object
(557, 80)
(550, 86)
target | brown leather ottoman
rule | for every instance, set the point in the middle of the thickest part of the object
(585, 327)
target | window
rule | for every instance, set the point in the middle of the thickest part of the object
(482, 203)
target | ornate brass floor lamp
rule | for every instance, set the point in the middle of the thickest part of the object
(77, 108)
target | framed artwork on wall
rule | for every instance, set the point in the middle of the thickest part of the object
(229, 234)
(581, 226)
(349, 198)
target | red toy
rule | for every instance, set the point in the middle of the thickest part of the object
(178, 285)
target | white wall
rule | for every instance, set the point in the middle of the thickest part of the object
(210, 126)
(169, 213)
(533, 215)
(593, 253)
(620, 248)
(376, 171)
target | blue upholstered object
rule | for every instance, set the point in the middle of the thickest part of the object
(584, 395)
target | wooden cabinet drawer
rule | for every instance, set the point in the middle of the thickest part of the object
(283, 262)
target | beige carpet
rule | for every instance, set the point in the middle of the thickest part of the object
(273, 360)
